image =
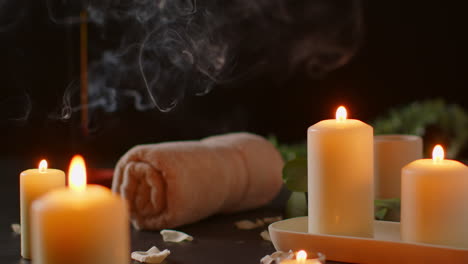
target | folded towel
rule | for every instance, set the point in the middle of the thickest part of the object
(171, 184)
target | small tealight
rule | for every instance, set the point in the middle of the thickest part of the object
(175, 236)
(301, 258)
(153, 255)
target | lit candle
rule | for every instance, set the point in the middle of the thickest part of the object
(340, 177)
(301, 258)
(34, 183)
(80, 224)
(434, 196)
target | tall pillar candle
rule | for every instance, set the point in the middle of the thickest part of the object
(80, 224)
(434, 195)
(33, 184)
(340, 177)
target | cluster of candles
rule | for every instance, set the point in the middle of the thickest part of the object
(434, 192)
(89, 224)
(76, 224)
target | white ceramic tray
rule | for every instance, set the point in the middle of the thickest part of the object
(386, 247)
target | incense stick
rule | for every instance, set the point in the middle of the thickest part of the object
(84, 72)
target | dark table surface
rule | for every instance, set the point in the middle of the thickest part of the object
(216, 238)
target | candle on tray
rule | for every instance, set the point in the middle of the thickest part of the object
(434, 195)
(34, 183)
(391, 154)
(80, 224)
(301, 258)
(340, 177)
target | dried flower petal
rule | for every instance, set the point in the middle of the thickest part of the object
(153, 255)
(175, 236)
(269, 220)
(247, 224)
(265, 235)
(16, 228)
(277, 257)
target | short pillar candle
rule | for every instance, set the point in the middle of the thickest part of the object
(80, 224)
(434, 207)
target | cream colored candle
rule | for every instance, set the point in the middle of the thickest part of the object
(80, 224)
(340, 177)
(391, 154)
(34, 183)
(434, 205)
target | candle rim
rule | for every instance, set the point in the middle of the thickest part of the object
(332, 125)
(63, 197)
(428, 163)
(396, 137)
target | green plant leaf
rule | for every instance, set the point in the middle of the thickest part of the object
(434, 120)
(295, 175)
(289, 151)
(381, 213)
(393, 203)
(296, 205)
(387, 209)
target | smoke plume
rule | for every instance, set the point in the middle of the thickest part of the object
(152, 53)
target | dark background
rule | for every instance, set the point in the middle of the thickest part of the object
(409, 50)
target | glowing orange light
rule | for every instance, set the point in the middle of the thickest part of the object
(77, 173)
(301, 255)
(438, 153)
(341, 114)
(43, 166)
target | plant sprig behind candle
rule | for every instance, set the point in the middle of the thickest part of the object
(430, 119)
(295, 179)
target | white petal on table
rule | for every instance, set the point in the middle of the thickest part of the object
(265, 235)
(16, 228)
(153, 255)
(175, 236)
(247, 224)
(269, 220)
(277, 257)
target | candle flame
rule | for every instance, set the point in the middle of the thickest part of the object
(77, 173)
(438, 153)
(301, 255)
(341, 113)
(43, 166)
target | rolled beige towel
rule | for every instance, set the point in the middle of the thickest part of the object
(177, 183)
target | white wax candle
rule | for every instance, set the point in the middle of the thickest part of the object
(80, 224)
(33, 184)
(391, 154)
(340, 177)
(434, 206)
